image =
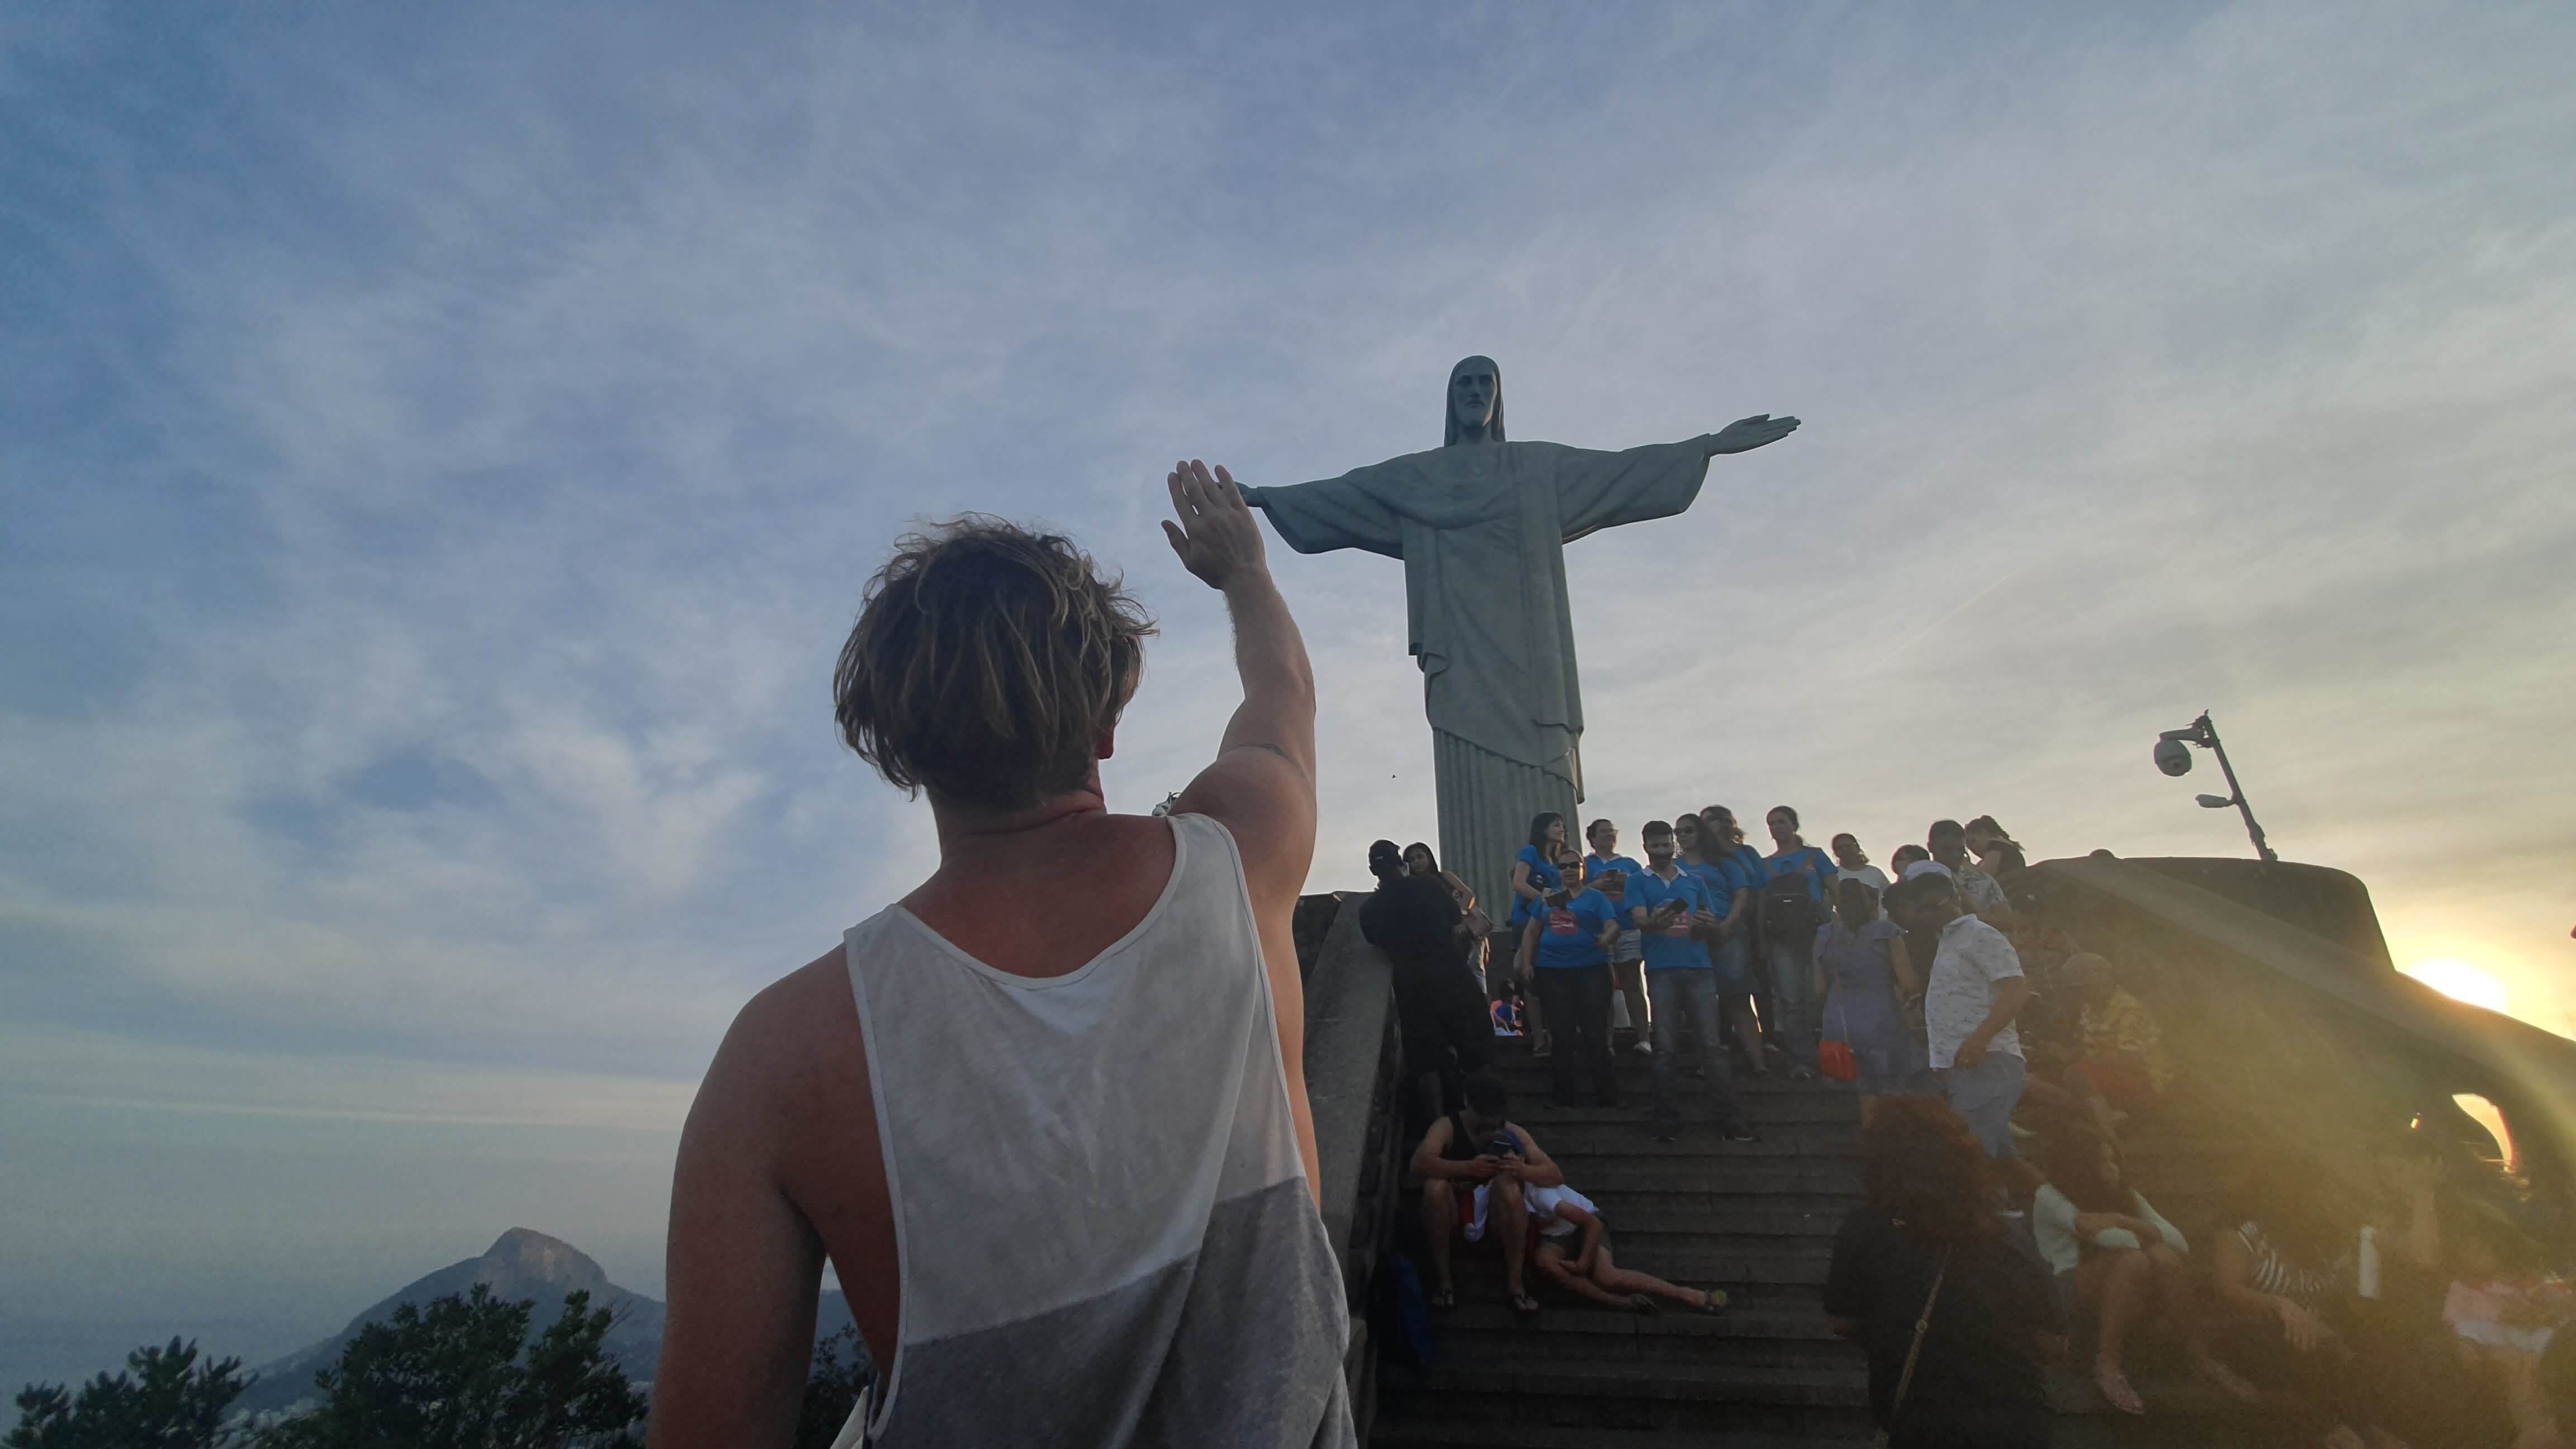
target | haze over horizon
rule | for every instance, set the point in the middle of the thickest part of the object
(443, 451)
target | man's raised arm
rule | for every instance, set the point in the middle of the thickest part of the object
(1262, 783)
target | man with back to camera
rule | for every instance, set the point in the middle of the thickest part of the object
(1677, 914)
(1441, 1020)
(1971, 994)
(1610, 873)
(1046, 1117)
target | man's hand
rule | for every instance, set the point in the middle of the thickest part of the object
(1216, 537)
(1484, 1167)
(1971, 1052)
(1746, 434)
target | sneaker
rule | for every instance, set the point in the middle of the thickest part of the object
(1741, 1132)
(1802, 1074)
(1643, 1048)
(1664, 1132)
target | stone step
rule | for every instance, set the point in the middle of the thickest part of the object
(1649, 1346)
(1747, 1317)
(1694, 1103)
(1637, 1138)
(1697, 1260)
(1537, 1373)
(1626, 1212)
(1739, 1175)
(1417, 1434)
(1785, 1211)
(1532, 1077)
(1470, 1417)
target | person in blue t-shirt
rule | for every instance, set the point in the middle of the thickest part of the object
(1734, 872)
(1789, 920)
(1535, 877)
(1576, 928)
(1606, 868)
(1677, 914)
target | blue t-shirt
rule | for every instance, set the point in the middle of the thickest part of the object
(1541, 874)
(1569, 936)
(1720, 882)
(1818, 867)
(1594, 865)
(1674, 948)
(1746, 870)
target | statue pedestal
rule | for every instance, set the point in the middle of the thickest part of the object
(1486, 805)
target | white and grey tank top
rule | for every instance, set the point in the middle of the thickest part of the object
(1102, 1220)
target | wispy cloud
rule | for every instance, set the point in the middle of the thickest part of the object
(441, 455)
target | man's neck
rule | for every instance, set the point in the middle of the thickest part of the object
(972, 839)
(1666, 867)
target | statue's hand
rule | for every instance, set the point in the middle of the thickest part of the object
(1216, 538)
(1746, 434)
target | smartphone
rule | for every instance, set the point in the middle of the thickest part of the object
(1504, 1146)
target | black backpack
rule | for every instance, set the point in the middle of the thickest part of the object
(1789, 915)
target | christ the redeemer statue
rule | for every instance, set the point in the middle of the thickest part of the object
(1482, 525)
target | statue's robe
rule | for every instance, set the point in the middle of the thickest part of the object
(1482, 529)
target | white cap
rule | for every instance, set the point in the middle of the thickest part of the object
(1926, 867)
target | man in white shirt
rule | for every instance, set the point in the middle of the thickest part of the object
(1970, 998)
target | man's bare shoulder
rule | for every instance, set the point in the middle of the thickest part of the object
(801, 1026)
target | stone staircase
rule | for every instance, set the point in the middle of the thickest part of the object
(1758, 1220)
(1755, 1218)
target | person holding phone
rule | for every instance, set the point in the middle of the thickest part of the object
(1678, 915)
(1577, 927)
(1476, 1168)
(1609, 872)
(1535, 876)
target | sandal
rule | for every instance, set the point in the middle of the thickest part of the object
(1712, 1300)
(1524, 1305)
(1645, 1303)
(1443, 1298)
(2117, 1392)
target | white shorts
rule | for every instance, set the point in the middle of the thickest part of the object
(1541, 1202)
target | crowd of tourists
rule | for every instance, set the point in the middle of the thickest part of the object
(1799, 961)
(2000, 1232)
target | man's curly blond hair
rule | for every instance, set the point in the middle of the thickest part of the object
(987, 662)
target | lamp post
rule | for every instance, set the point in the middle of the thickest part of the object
(2174, 758)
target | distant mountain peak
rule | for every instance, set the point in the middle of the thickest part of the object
(546, 1259)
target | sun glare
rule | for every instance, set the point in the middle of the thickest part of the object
(2462, 982)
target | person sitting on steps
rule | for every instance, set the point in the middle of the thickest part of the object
(2114, 1254)
(1476, 1168)
(1561, 1215)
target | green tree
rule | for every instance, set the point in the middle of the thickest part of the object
(462, 1374)
(166, 1399)
(832, 1388)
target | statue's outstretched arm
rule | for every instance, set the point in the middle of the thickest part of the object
(1746, 434)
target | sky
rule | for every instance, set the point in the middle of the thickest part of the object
(441, 451)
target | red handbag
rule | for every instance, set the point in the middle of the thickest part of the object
(1834, 1059)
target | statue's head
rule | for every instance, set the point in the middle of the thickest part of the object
(1475, 401)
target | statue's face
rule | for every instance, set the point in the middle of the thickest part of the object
(1471, 395)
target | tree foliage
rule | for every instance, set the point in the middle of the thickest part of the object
(832, 1388)
(166, 1399)
(454, 1375)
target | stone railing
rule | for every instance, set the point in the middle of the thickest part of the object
(1351, 1064)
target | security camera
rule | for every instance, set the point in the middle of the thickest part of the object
(2173, 757)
